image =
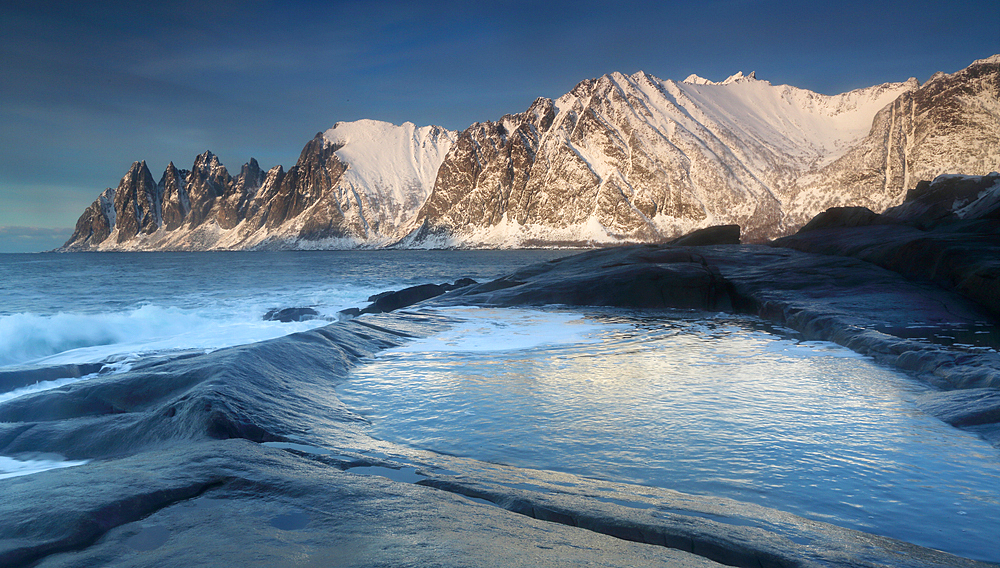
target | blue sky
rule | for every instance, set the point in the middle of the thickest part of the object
(86, 88)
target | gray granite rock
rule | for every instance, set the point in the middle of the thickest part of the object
(169, 487)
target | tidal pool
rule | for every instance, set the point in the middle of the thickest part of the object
(699, 403)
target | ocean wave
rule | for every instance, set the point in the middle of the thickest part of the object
(10, 467)
(77, 338)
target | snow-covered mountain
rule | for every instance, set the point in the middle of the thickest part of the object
(949, 125)
(618, 159)
(352, 186)
(636, 158)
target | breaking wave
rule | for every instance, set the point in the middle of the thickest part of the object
(84, 338)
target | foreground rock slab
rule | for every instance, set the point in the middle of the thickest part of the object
(236, 503)
(245, 456)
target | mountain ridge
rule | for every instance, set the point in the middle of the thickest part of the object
(620, 158)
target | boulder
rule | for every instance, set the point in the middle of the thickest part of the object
(643, 276)
(393, 300)
(836, 217)
(717, 235)
(949, 198)
(286, 315)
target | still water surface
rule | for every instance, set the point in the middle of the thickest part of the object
(704, 404)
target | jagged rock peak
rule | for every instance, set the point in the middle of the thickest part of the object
(738, 77)
(173, 191)
(314, 147)
(693, 79)
(977, 66)
(252, 165)
(172, 173)
(95, 224)
(206, 160)
(250, 174)
(137, 203)
(138, 168)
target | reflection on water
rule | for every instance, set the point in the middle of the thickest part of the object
(702, 405)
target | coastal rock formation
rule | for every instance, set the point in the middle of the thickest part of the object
(946, 232)
(619, 159)
(394, 300)
(290, 314)
(237, 434)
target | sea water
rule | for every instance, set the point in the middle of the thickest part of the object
(115, 309)
(93, 307)
(707, 404)
(701, 403)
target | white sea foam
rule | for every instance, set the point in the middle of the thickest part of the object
(80, 338)
(489, 329)
(41, 386)
(10, 467)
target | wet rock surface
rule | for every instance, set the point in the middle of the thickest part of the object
(286, 315)
(393, 300)
(226, 458)
(15, 378)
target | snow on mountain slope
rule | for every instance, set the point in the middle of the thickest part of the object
(639, 158)
(352, 186)
(636, 158)
(390, 162)
(951, 124)
(617, 159)
(799, 123)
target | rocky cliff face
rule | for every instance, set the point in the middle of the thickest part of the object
(617, 159)
(94, 226)
(636, 158)
(951, 124)
(353, 185)
(137, 202)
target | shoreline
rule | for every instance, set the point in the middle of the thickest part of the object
(241, 454)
